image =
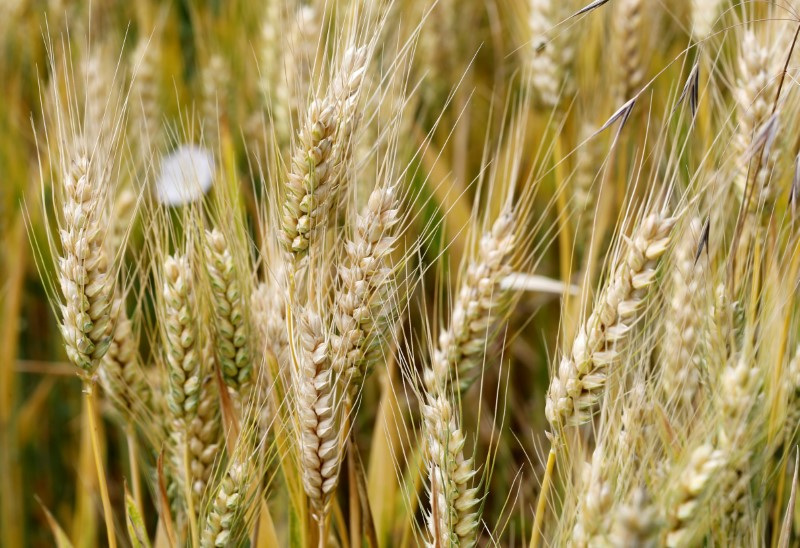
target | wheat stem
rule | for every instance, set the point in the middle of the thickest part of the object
(541, 504)
(88, 392)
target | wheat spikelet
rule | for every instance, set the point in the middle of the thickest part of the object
(479, 303)
(361, 301)
(679, 361)
(704, 14)
(232, 322)
(551, 51)
(628, 34)
(86, 283)
(317, 411)
(223, 523)
(581, 376)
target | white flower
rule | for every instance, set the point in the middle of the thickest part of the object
(186, 175)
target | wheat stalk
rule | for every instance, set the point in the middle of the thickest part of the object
(581, 377)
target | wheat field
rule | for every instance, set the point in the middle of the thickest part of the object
(345, 273)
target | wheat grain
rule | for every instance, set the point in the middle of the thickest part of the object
(581, 377)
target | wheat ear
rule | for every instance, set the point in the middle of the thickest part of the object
(204, 439)
(704, 14)
(231, 312)
(480, 302)
(793, 411)
(595, 503)
(581, 377)
(679, 359)
(224, 521)
(184, 371)
(318, 159)
(551, 51)
(145, 89)
(453, 520)
(636, 523)
(757, 85)
(317, 414)
(628, 31)
(86, 283)
(361, 305)
(704, 462)
(121, 372)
